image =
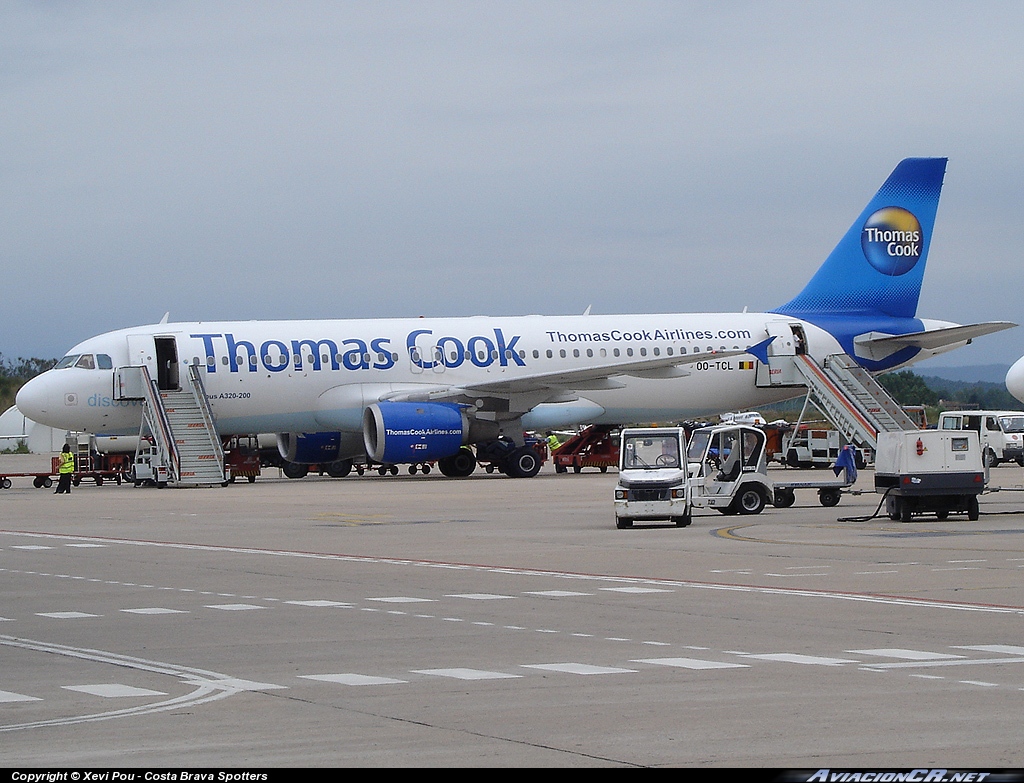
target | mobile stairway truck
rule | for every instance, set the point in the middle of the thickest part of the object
(724, 467)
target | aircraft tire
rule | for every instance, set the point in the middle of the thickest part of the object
(461, 464)
(295, 470)
(524, 462)
(339, 468)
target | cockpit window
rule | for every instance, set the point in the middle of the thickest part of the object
(104, 362)
(67, 361)
(86, 362)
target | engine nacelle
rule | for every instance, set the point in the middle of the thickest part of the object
(397, 432)
(309, 447)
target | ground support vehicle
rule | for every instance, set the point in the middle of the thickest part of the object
(652, 476)
(593, 447)
(728, 472)
(242, 458)
(725, 469)
(818, 447)
(148, 468)
(1001, 433)
(930, 471)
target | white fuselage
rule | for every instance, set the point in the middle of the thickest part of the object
(309, 376)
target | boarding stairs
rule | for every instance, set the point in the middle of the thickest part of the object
(179, 424)
(852, 399)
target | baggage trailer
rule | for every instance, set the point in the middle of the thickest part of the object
(39, 480)
(930, 472)
(97, 468)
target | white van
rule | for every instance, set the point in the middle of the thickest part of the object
(1001, 432)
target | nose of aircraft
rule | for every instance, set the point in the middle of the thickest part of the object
(34, 399)
(1015, 379)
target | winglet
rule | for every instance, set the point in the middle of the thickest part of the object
(760, 351)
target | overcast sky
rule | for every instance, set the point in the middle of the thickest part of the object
(373, 159)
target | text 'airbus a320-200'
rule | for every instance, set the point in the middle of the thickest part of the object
(416, 390)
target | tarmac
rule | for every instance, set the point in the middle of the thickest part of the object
(420, 621)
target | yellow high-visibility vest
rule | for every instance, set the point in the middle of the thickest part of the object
(67, 462)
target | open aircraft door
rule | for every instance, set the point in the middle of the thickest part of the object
(158, 354)
(788, 343)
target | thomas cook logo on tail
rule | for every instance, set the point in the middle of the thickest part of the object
(891, 240)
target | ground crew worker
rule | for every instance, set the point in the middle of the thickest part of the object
(552, 441)
(65, 467)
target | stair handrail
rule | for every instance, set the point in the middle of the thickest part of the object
(199, 392)
(162, 432)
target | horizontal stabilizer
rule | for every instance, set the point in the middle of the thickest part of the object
(878, 345)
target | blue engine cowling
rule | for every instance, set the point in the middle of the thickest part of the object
(307, 448)
(397, 432)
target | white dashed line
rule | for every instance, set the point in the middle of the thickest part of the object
(113, 690)
(467, 674)
(353, 679)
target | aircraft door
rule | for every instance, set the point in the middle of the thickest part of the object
(166, 363)
(789, 343)
(159, 355)
(142, 352)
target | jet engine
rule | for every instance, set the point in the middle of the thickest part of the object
(306, 448)
(398, 432)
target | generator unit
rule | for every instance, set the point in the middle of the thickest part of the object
(930, 472)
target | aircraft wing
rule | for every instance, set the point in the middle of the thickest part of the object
(523, 392)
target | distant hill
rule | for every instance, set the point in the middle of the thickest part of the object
(974, 373)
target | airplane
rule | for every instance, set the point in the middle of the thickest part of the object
(415, 390)
(1015, 379)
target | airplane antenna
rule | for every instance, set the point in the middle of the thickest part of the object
(587, 311)
(166, 316)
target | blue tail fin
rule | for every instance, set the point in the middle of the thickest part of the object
(875, 272)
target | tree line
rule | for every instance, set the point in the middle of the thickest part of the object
(909, 388)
